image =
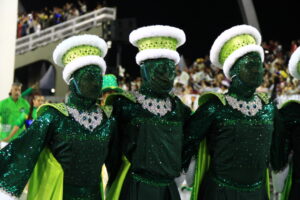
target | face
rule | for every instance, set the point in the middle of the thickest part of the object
(159, 74)
(88, 81)
(251, 69)
(15, 92)
(38, 101)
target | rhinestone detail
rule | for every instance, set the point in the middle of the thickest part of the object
(155, 106)
(247, 108)
(90, 121)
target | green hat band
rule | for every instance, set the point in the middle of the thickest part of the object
(234, 44)
(109, 81)
(80, 51)
(157, 43)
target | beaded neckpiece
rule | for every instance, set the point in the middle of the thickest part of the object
(247, 108)
(155, 106)
(88, 120)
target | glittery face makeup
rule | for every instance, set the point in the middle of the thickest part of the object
(88, 81)
(158, 74)
(250, 69)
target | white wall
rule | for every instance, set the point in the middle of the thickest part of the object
(8, 24)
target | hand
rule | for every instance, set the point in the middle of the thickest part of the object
(279, 179)
(2, 145)
(35, 86)
(191, 173)
(179, 180)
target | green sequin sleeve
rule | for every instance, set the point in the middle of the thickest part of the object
(287, 122)
(114, 160)
(196, 128)
(18, 158)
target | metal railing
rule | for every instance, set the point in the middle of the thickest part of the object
(64, 29)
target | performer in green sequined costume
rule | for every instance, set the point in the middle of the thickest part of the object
(65, 147)
(290, 114)
(151, 120)
(237, 126)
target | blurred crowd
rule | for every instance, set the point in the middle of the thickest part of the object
(36, 21)
(202, 76)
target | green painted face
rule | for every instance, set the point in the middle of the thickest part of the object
(87, 82)
(248, 70)
(158, 74)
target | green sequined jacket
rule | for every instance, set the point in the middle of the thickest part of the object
(151, 143)
(238, 145)
(80, 152)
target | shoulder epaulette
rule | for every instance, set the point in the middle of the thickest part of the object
(205, 97)
(61, 107)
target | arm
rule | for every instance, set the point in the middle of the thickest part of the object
(12, 133)
(18, 158)
(29, 90)
(19, 123)
(196, 129)
(280, 148)
(114, 157)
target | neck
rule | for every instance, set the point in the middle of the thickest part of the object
(148, 91)
(80, 103)
(14, 99)
(241, 91)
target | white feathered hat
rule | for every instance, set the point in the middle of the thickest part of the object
(232, 44)
(79, 51)
(157, 41)
(294, 64)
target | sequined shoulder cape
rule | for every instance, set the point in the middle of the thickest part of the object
(151, 147)
(56, 144)
(232, 150)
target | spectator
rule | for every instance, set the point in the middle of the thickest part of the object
(11, 108)
(36, 101)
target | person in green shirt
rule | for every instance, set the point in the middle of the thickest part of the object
(11, 109)
(26, 119)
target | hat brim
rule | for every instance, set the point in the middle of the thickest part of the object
(77, 40)
(80, 63)
(112, 88)
(157, 53)
(293, 63)
(157, 31)
(229, 62)
(227, 35)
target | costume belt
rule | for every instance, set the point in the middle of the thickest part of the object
(223, 182)
(150, 180)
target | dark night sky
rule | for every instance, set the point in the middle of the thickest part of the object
(202, 23)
